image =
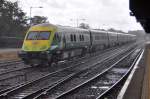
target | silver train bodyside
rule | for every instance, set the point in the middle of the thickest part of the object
(78, 41)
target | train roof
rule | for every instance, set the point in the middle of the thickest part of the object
(98, 31)
(45, 24)
(70, 29)
(59, 27)
(126, 34)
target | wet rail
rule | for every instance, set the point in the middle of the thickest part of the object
(22, 73)
(7, 64)
(42, 83)
(99, 85)
(9, 61)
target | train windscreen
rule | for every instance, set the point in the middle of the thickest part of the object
(38, 35)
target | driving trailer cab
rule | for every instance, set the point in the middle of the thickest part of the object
(39, 43)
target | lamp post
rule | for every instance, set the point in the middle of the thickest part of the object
(31, 11)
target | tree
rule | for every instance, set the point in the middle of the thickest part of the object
(13, 22)
(38, 20)
(12, 18)
(84, 26)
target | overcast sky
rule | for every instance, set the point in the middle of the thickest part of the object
(97, 13)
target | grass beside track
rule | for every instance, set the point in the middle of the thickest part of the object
(8, 55)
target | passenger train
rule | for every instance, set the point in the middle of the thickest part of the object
(48, 43)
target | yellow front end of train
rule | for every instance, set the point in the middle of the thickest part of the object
(37, 44)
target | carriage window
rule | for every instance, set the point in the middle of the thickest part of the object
(74, 37)
(71, 37)
(97, 37)
(83, 37)
(80, 37)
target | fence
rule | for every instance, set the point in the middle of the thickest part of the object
(10, 42)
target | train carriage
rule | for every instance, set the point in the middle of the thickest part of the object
(120, 38)
(76, 41)
(99, 39)
(48, 43)
(113, 39)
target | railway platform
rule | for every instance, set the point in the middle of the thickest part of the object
(137, 85)
(9, 53)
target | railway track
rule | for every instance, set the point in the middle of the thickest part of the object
(29, 89)
(20, 75)
(10, 65)
(16, 77)
(97, 86)
(16, 65)
(10, 78)
(7, 63)
(69, 84)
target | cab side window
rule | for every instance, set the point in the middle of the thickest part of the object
(56, 39)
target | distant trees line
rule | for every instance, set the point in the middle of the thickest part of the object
(14, 23)
(12, 19)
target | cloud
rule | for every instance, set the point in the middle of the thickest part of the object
(98, 13)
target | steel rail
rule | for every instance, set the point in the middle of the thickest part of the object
(88, 81)
(128, 71)
(26, 84)
(75, 74)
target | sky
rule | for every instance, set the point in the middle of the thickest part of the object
(103, 14)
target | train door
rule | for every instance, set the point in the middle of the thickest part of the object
(64, 41)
